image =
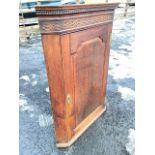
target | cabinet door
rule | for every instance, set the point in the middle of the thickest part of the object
(88, 59)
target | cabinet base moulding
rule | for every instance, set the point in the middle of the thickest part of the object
(83, 126)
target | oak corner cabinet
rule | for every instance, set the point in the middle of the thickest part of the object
(76, 44)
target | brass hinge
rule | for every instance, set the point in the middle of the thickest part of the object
(110, 37)
(103, 36)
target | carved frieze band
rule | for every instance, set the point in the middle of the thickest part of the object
(58, 26)
(71, 11)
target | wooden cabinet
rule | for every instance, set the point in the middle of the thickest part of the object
(76, 43)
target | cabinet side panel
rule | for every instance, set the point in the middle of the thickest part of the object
(106, 62)
(53, 59)
(69, 85)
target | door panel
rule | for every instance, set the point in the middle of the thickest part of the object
(88, 75)
(77, 38)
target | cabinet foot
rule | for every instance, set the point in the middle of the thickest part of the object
(82, 127)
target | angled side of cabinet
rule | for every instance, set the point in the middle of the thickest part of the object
(76, 43)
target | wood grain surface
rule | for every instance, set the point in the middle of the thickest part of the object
(76, 49)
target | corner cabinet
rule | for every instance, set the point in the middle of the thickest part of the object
(76, 43)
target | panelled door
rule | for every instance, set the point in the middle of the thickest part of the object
(88, 60)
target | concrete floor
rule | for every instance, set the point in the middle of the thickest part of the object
(109, 134)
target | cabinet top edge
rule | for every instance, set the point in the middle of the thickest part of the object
(73, 9)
